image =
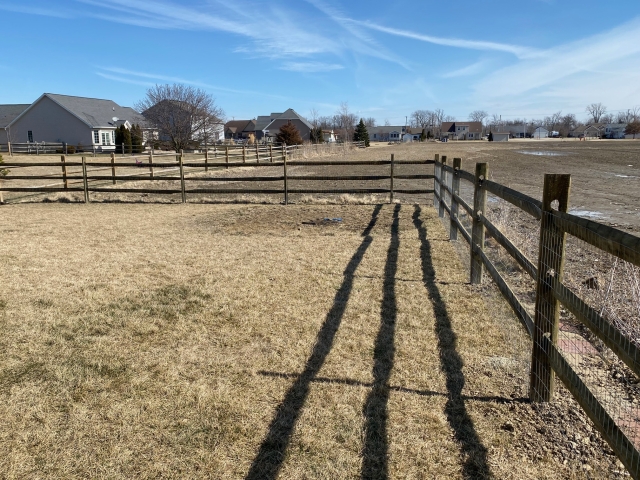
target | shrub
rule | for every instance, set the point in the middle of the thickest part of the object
(289, 135)
(71, 149)
(80, 148)
(3, 171)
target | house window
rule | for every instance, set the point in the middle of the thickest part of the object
(30, 136)
(106, 139)
(96, 137)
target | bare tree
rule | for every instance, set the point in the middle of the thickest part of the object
(346, 121)
(607, 118)
(596, 111)
(421, 118)
(370, 122)
(182, 114)
(478, 116)
(326, 123)
(387, 122)
(314, 117)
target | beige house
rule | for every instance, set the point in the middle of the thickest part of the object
(462, 130)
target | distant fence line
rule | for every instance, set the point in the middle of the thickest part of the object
(48, 148)
(621, 431)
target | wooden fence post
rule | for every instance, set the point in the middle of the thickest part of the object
(436, 180)
(113, 167)
(122, 149)
(477, 229)
(550, 270)
(182, 186)
(257, 153)
(215, 151)
(151, 165)
(9, 148)
(63, 159)
(244, 154)
(271, 153)
(454, 185)
(391, 179)
(443, 182)
(284, 151)
(84, 180)
(286, 186)
(206, 160)
(226, 155)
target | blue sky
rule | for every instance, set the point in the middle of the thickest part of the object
(386, 59)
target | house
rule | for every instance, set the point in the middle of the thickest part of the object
(387, 133)
(262, 122)
(289, 116)
(411, 137)
(500, 136)
(462, 130)
(615, 130)
(588, 131)
(240, 130)
(90, 122)
(540, 132)
(329, 136)
(8, 113)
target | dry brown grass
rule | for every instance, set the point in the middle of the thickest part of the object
(232, 341)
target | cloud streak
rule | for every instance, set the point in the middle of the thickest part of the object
(311, 67)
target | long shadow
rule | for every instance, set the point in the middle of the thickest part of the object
(375, 452)
(268, 461)
(474, 453)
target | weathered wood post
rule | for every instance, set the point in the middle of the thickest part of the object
(226, 155)
(454, 186)
(257, 153)
(391, 179)
(286, 186)
(9, 148)
(443, 182)
(123, 149)
(477, 229)
(84, 180)
(182, 186)
(244, 154)
(63, 159)
(271, 153)
(215, 151)
(284, 151)
(113, 167)
(436, 180)
(151, 165)
(206, 160)
(550, 271)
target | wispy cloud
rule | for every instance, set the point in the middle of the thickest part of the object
(46, 12)
(311, 67)
(472, 69)
(517, 50)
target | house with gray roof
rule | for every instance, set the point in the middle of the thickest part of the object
(8, 113)
(289, 116)
(89, 122)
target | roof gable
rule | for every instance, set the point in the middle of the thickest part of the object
(9, 112)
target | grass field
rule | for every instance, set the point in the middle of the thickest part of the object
(240, 341)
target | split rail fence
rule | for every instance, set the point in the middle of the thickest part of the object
(555, 352)
(94, 183)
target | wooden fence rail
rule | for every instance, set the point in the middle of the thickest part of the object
(91, 182)
(547, 358)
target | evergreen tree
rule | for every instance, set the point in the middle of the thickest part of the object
(126, 139)
(136, 138)
(316, 135)
(289, 135)
(491, 136)
(361, 134)
(119, 138)
(423, 135)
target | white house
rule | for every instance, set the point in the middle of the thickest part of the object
(329, 136)
(540, 132)
(615, 130)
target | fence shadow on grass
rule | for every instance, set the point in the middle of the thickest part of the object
(375, 453)
(271, 454)
(474, 453)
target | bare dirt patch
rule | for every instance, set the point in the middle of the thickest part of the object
(237, 341)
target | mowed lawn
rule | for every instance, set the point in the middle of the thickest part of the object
(238, 341)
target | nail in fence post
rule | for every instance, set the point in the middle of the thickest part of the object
(113, 167)
(206, 160)
(286, 186)
(436, 180)
(477, 229)
(454, 185)
(226, 154)
(84, 180)
(63, 159)
(151, 165)
(443, 182)
(550, 270)
(182, 186)
(391, 179)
